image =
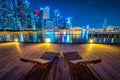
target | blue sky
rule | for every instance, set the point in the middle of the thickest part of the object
(84, 12)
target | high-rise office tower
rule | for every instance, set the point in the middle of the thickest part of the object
(46, 13)
(49, 25)
(44, 16)
(7, 15)
(28, 14)
(59, 21)
(41, 18)
(56, 18)
(69, 22)
(21, 15)
(63, 23)
(37, 20)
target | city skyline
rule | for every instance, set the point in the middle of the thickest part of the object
(24, 15)
(85, 12)
(17, 15)
(59, 39)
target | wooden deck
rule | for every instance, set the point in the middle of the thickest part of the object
(11, 68)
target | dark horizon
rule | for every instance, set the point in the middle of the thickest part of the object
(84, 12)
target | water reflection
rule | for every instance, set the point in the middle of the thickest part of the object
(56, 37)
(21, 38)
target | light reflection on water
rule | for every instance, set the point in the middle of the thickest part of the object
(56, 37)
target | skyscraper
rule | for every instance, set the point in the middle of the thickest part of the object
(37, 20)
(63, 23)
(28, 14)
(46, 13)
(7, 15)
(41, 18)
(21, 15)
(69, 22)
(56, 18)
(49, 25)
(44, 16)
(59, 21)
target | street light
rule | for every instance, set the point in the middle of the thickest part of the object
(47, 40)
(16, 40)
(91, 41)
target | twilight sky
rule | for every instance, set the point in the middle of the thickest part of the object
(84, 12)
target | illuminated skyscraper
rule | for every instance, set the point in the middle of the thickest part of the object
(44, 16)
(59, 20)
(41, 18)
(63, 23)
(69, 22)
(21, 15)
(46, 13)
(7, 15)
(37, 20)
(49, 25)
(56, 18)
(28, 14)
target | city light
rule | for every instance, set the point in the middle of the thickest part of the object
(64, 32)
(26, 1)
(8, 44)
(91, 41)
(47, 40)
(16, 40)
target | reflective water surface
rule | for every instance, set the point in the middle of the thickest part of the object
(57, 37)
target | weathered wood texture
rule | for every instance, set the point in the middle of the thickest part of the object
(11, 68)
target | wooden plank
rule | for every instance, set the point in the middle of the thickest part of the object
(11, 68)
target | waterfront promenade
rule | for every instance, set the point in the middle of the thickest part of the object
(11, 68)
